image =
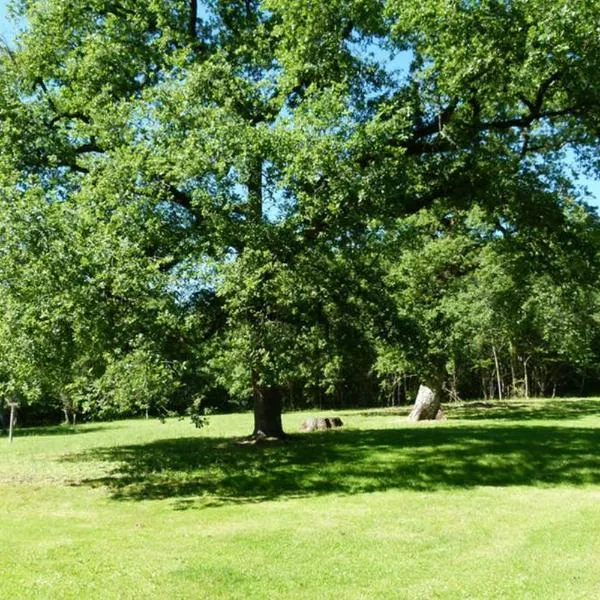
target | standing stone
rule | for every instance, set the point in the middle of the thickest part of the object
(427, 406)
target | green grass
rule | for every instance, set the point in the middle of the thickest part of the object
(500, 501)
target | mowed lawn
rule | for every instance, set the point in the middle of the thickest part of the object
(500, 501)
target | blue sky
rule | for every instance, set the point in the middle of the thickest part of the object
(4, 27)
(7, 30)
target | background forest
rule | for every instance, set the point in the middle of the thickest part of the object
(224, 204)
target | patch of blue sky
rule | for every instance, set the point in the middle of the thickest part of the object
(191, 277)
(395, 63)
(585, 178)
(8, 27)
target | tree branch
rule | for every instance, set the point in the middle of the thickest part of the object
(91, 146)
(437, 123)
(69, 116)
(180, 197)
(74, 166)
(192, 29)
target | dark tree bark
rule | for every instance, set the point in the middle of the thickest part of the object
(267, 411)
(192, 19)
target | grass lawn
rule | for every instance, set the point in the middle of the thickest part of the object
(500, 501)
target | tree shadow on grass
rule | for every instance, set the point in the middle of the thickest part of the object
(216, 471)
(554, 409)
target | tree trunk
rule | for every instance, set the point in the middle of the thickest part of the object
(427, 405)
(513, 374)
(526, 376)
(192, 19)
(267, 411)
(498, 378)
(454, 388)
(13, 421)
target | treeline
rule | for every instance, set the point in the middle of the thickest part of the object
(280, 203)
(445, 297)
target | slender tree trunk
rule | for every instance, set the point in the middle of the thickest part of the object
(13, 421)
(255, 191)
(498, 378)
(512, 371)
(192, 18)
(526, 376)
(454, 389)
(267, 410)
(67, 409)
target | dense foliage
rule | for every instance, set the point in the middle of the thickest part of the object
(208, 202)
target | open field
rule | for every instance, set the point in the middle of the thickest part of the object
(500, 501)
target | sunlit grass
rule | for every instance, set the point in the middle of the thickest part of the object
(500, 501)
